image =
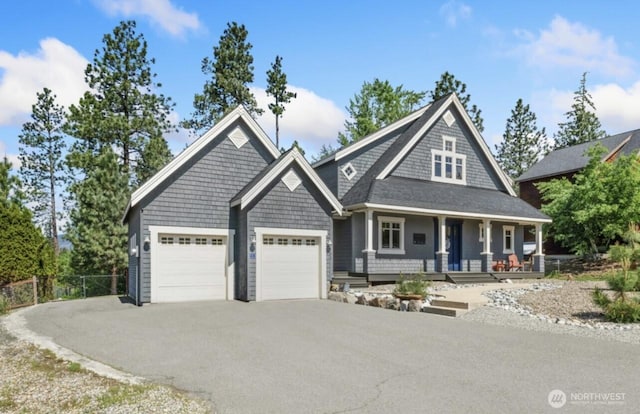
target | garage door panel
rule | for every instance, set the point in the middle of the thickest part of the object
(290, 271)
(190, 271)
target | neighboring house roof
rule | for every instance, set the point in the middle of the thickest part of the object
(575, 158)
(271, 172)
(195, 147)
(434, 198)
(361, 191)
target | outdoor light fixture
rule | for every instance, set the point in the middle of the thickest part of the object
(252, 242)
(147, 240)
(253, 238)
(329, 243)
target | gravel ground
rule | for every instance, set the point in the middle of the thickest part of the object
(36, 381)
(563, 307)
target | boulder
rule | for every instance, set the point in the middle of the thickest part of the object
(393, 304)
(361, 300)
(350, 299)
(404, 305)
(378, 302)
(414, 306)
(336, 296)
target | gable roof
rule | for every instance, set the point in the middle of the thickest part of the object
(240, 113)
(272, 171)
(372, 138)
(575, 158)
(401, 147)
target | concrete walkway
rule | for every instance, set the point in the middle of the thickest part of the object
(474, 295)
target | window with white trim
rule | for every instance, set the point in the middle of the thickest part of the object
(481, 238)
(184, 240)
(349, 171)
(267, 240)
(283, 242)
(166, 240)
(310, 242)
(447, 165)
(508, 235)
(201, 240)
(217, 242)
(391, 235)
(296, 242)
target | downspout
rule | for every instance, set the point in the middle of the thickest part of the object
(142, 251)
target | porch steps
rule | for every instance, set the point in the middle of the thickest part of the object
(465, 278)
(444, 311)
(340, 278)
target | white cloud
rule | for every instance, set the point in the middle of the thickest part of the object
(55, 65)
(573, 45)
(615, 107)
(309, 119)
(161, 12)
(454, 11)
(13, 158)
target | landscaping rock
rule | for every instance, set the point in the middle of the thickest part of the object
(404, 305)
(337, 296)
(393, 304)
(414, 306)
(361, 300)
(378, 302)
(350, 299)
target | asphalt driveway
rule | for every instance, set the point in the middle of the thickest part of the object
(328, 357)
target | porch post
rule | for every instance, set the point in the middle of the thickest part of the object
(487, 255)
(442, 256)
(369, 254)
(538, 257)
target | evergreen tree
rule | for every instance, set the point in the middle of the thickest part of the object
(95, 230)
(122, 108)
(325, 150)
(231, 71)
(522, 143)
(582, 123)
(376, 105)
(277, 87)
(155, 155)
(42, 143)
(449, 84)
(24, 252)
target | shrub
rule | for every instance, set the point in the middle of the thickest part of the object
(415, 285)
(4, 304)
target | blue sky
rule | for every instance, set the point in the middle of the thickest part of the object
(534, 50)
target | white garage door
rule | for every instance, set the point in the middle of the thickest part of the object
(290, 267)
(189, 267)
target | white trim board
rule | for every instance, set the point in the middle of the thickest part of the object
(195, 147)
(453, 214)
(228, 234)
(322, 234)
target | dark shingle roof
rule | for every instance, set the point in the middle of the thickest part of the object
(430, 195)
(575, 158)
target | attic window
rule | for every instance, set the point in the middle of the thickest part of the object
(349, 171)
(447, 165)
(238, 137)
(449, 118)
(291, 180)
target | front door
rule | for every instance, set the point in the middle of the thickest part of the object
(454, 244)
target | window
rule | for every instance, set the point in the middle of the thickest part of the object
(391, 235)
(166, 240)
(447, 165)
(267, 240)
(481, 238)
(310, 242)
(201, 240)
(508, 233)
(349, 171)
(296, 242)
(217, 242)
(184, 240)
(283, 242)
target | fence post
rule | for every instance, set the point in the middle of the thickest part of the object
(84, 287)
(35, 290)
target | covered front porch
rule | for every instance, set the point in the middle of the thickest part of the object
(447, 246)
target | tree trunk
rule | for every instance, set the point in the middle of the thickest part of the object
(114, 280)
(54, 221)
(277, 134)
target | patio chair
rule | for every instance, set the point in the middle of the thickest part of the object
(514, 264)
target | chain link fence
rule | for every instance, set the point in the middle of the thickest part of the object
(86, 286)
(18, 294)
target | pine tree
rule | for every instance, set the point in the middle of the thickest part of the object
(231, 71)
(582, 123)
(449, 84)
(10, 185)
(522, 143)
(122, 108)
(95, 230)
(155, 155)
(376, 105)
(42, 164)
(277, 87)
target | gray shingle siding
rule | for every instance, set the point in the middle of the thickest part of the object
(342, 244)
(417, 164)
(278, 207)
(198, 194)
(362, 160)
(329, 174)
(134, 230)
